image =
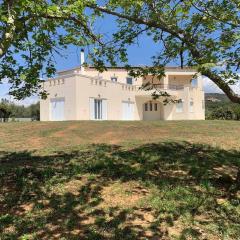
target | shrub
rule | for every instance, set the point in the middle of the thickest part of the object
(223, 113)
(236, 110)
(5, 112)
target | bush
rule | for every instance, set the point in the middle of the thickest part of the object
(222, 109)
(5, 112)
(222, 113)
(236, 110)
(10, 109)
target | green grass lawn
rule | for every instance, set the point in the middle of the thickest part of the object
(119, 180)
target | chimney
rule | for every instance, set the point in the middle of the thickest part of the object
(82, 59)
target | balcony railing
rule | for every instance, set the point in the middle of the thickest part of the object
(106, 83)
(163, 87)
(103, 82)
(129, 87)
(168, 86)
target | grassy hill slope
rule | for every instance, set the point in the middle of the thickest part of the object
(119, 180)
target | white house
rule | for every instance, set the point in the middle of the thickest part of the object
(83, 93)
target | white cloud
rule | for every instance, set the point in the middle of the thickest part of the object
(210, 87)
(26, 101)
(4, 89)
(236, 88)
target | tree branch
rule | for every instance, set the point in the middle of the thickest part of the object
(8, 35)
(213, 16)
(81, 23)
(185, 38)
(154, 24)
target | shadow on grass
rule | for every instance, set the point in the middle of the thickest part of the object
(59, 196)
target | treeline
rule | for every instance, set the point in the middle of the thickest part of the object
(219, 107)
(11, 110)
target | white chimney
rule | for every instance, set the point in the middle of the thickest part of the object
(82, 59)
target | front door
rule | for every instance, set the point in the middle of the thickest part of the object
(57, 109)
(127, 110)
(152, 110)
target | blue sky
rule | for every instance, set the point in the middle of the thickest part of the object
(139, 54)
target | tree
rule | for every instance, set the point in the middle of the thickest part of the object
(236, 110)
(202, 34)
(4, 112)
(223, 113)
(30, 33)
(35, 111)
(10, 109)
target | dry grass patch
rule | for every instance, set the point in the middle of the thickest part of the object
(40, 135)
(158, 181)
(122, 194)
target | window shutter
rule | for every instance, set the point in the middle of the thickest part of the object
(104, 109)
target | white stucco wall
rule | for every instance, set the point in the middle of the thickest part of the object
(60, 88)
(77, 87)
(114, 93)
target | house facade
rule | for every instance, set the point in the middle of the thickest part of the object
(85, 94)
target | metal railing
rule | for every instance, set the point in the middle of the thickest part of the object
(168, 86)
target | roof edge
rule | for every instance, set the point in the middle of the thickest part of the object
(136, 67)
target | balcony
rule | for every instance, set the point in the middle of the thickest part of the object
(171, 89)
(168, 87)
(162, 87)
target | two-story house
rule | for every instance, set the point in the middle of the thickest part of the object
(83, 93)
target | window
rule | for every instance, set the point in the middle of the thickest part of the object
(114, 79)
(129, 80)
(179, 107)
(155, 106)
(150, 106)
(146, 107)
(191, 105)
(98, 108)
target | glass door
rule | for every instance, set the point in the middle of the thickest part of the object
(98, 109)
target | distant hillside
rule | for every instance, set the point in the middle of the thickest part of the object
(219, 96)
(218, 106)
